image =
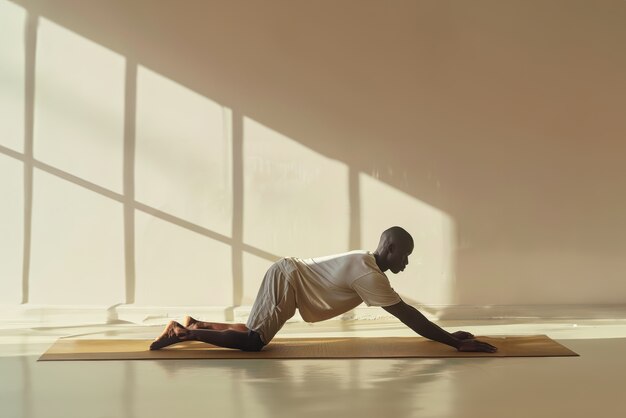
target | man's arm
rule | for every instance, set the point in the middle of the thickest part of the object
(415, 320)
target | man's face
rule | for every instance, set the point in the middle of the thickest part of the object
(399, 257)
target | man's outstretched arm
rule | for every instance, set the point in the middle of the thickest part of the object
(414, 319)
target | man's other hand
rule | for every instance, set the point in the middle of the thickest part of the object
(462, 335)
(475, 345)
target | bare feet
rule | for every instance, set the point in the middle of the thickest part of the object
(172, 334)
(189, 322)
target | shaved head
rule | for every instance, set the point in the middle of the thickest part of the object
(395, 234)
(394, 248)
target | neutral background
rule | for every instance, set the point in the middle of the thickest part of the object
(164, 153)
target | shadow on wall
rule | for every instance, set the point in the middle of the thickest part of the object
(219, 136)
(175, 168)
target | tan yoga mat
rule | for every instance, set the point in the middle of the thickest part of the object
(301, 348)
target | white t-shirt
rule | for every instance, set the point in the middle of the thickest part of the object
(329, 286)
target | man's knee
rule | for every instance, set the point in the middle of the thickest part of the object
(254, 342)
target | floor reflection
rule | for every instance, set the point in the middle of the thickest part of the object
(316, 387)
(306, 388)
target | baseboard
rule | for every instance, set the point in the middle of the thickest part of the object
(152, 315)
(531, 312)
(54, 314)
(93, 314)
(162, 314)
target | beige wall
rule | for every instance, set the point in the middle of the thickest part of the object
(165, 152)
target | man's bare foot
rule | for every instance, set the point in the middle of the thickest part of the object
(172, 334)
(189, 322)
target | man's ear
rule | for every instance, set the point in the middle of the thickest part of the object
(391, 247)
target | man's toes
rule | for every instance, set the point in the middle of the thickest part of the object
(191, 323)
(164, 342)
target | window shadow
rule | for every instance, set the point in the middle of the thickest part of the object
(89, 25)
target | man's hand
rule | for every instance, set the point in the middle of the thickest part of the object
(414, 319)
(475, 345)
(462, 335)
(468, 343)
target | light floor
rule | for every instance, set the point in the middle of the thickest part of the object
(593, 384)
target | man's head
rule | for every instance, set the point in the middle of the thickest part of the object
(393, 250)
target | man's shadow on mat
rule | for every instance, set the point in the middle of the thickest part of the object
(284, 386)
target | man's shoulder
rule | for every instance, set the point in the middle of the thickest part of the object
(349, 265)
(349, 256)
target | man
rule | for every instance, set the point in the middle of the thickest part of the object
(321, 288)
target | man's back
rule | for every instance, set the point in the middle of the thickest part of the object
(329, 286)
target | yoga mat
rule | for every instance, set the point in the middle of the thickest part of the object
(301, 348)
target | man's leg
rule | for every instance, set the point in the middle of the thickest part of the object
(175, 333)
(274, 304)
(191, 323)
(242, 340)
